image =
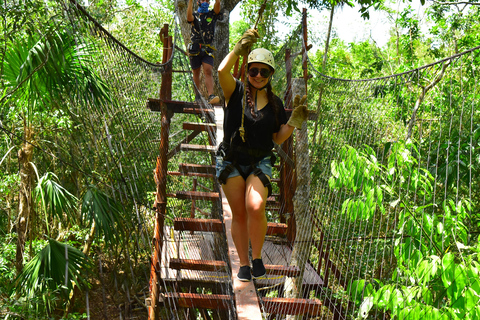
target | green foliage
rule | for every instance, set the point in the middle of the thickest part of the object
(55, 269)
(147, 22)
(55, 199)
(436, 273)
(106, 213)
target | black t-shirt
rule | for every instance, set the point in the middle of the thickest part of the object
(258, 131)
(203, 27)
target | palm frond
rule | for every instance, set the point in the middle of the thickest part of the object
(56, 266)
(56, 200)
(106, 212)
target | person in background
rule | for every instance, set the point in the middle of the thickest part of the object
(200, 48)
(244, 164)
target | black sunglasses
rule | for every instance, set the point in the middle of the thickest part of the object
(253, 72)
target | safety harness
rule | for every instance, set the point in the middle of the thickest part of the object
(195, 48)
(229, 153)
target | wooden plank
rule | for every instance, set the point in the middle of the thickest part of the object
(215, 225)
(175, 106)
(197, 195)
(154, 104)
(189, 167)
(187, 139)
(246, 299)
(191, 174)
(197, 147)
(206, 225)
(279, 253)
(196, 110)
(274, 228)
(292, 306)
(196, 300)
(288, 271)
(210, 127)
(201, 265)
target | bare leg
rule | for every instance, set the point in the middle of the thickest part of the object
(234, 190)
(255, 200)
(208, 73)
(196, 78)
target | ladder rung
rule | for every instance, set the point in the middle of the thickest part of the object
(188, 167)
(197, 195)
(199, 126)
(197, 110)
(197, 300)
(191, 174)
(288, 271)
(191, 224)
(274, 228)
(292, 306)
(197, 147)
(201, 265)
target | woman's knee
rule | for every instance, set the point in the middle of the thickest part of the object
(255, 209)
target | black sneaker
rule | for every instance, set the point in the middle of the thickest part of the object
(244, 274)
(258, 269)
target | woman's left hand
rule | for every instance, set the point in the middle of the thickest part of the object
(299, 112)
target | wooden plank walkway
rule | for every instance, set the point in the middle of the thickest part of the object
(245, 295)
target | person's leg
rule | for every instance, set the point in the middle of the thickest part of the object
(207, 64)
(196, 63)
(208, 73)
(234, 190)
(255, 201)
(196, 77)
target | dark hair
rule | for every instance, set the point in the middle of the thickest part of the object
(271, 99)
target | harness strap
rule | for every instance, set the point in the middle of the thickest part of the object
(225, 173)
(201, 45)
(266, 182)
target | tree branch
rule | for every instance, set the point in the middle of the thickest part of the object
(455, 3)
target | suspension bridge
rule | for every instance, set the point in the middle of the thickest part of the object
(389, 164)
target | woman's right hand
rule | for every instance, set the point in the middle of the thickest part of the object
(246, 42)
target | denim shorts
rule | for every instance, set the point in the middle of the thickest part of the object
(265, 165)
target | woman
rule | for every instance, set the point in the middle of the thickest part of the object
(244, 160)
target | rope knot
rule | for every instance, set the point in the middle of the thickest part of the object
(242, 133)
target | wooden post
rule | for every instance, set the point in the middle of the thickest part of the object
(161, 177)
(303, 222)
(287, 190)
(304, 225)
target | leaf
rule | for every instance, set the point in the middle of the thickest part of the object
(471, 299)
(448, 274)
(394, 203)
(106, 212)
(46, 271)
(382, 296)
(365, 307)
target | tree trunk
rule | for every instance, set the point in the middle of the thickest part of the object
(25, 155)
(301, 247)
(327, 42)
(324, 66)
